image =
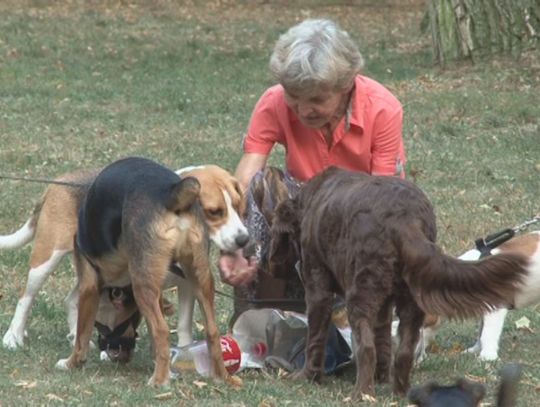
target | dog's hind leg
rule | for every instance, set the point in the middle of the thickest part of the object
(383, 342)
(206, 297)
(147, 282)
(492, 326)
(38, 274)
(87, 310)
(319, 298)
(364, 300)
(71, 303)
(411, 318)
(186, 301)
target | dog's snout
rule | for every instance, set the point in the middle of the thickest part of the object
(241, 240)
(119, 355)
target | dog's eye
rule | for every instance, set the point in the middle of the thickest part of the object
(215, 213)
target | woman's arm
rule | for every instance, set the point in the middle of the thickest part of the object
(248, 166)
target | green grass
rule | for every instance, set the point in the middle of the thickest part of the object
(82, 84)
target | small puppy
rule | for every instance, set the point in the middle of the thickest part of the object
(466, 393)
(138, 218)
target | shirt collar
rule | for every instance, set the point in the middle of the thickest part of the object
(356, 105)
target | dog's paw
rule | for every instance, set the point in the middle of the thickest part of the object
(488, 355)
(161, 383)
(62, 364)
(234, 381)
(304, 374)
(104, 356)
(366, 396)
(12, 341)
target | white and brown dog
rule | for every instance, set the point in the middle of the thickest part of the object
(487, 344)
(53, 226)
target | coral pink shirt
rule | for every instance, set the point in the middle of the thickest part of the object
(372, 142)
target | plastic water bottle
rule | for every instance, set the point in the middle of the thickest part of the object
(195, 357)
(253, 352)
(238, 354)
(250, 333)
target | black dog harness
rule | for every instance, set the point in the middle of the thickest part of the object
(112, 339)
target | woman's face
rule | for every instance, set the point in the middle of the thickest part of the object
(316, 109)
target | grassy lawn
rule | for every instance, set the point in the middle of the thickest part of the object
(85, 83)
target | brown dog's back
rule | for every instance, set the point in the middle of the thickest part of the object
(386, 219)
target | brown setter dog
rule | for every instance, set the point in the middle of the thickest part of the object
(372, 240)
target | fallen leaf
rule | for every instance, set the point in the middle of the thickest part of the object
(267, 403)
(25, 384)
(164, 396)
(523, 322)
(52, 396)
(478, 379)
(368, 398)
(200, 384)
(199, 326)
(282, 373)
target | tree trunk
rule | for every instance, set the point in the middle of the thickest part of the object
(471, 29)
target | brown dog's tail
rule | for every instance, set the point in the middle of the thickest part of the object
(445, 285)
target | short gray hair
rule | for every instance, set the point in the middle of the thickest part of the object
(315, 54)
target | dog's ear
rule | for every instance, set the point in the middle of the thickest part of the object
(277, 185)
(269, 189)
(284, 235)
(240, 197)
(183, 194)
(476, 390)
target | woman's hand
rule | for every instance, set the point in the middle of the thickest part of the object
(235, 269)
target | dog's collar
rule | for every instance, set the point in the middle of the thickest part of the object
(485, 245)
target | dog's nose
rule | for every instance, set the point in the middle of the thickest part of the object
(241, 240)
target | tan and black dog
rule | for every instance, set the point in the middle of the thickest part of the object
(53, 226)
(137, 218)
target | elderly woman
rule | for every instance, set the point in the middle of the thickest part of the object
(324, 112)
